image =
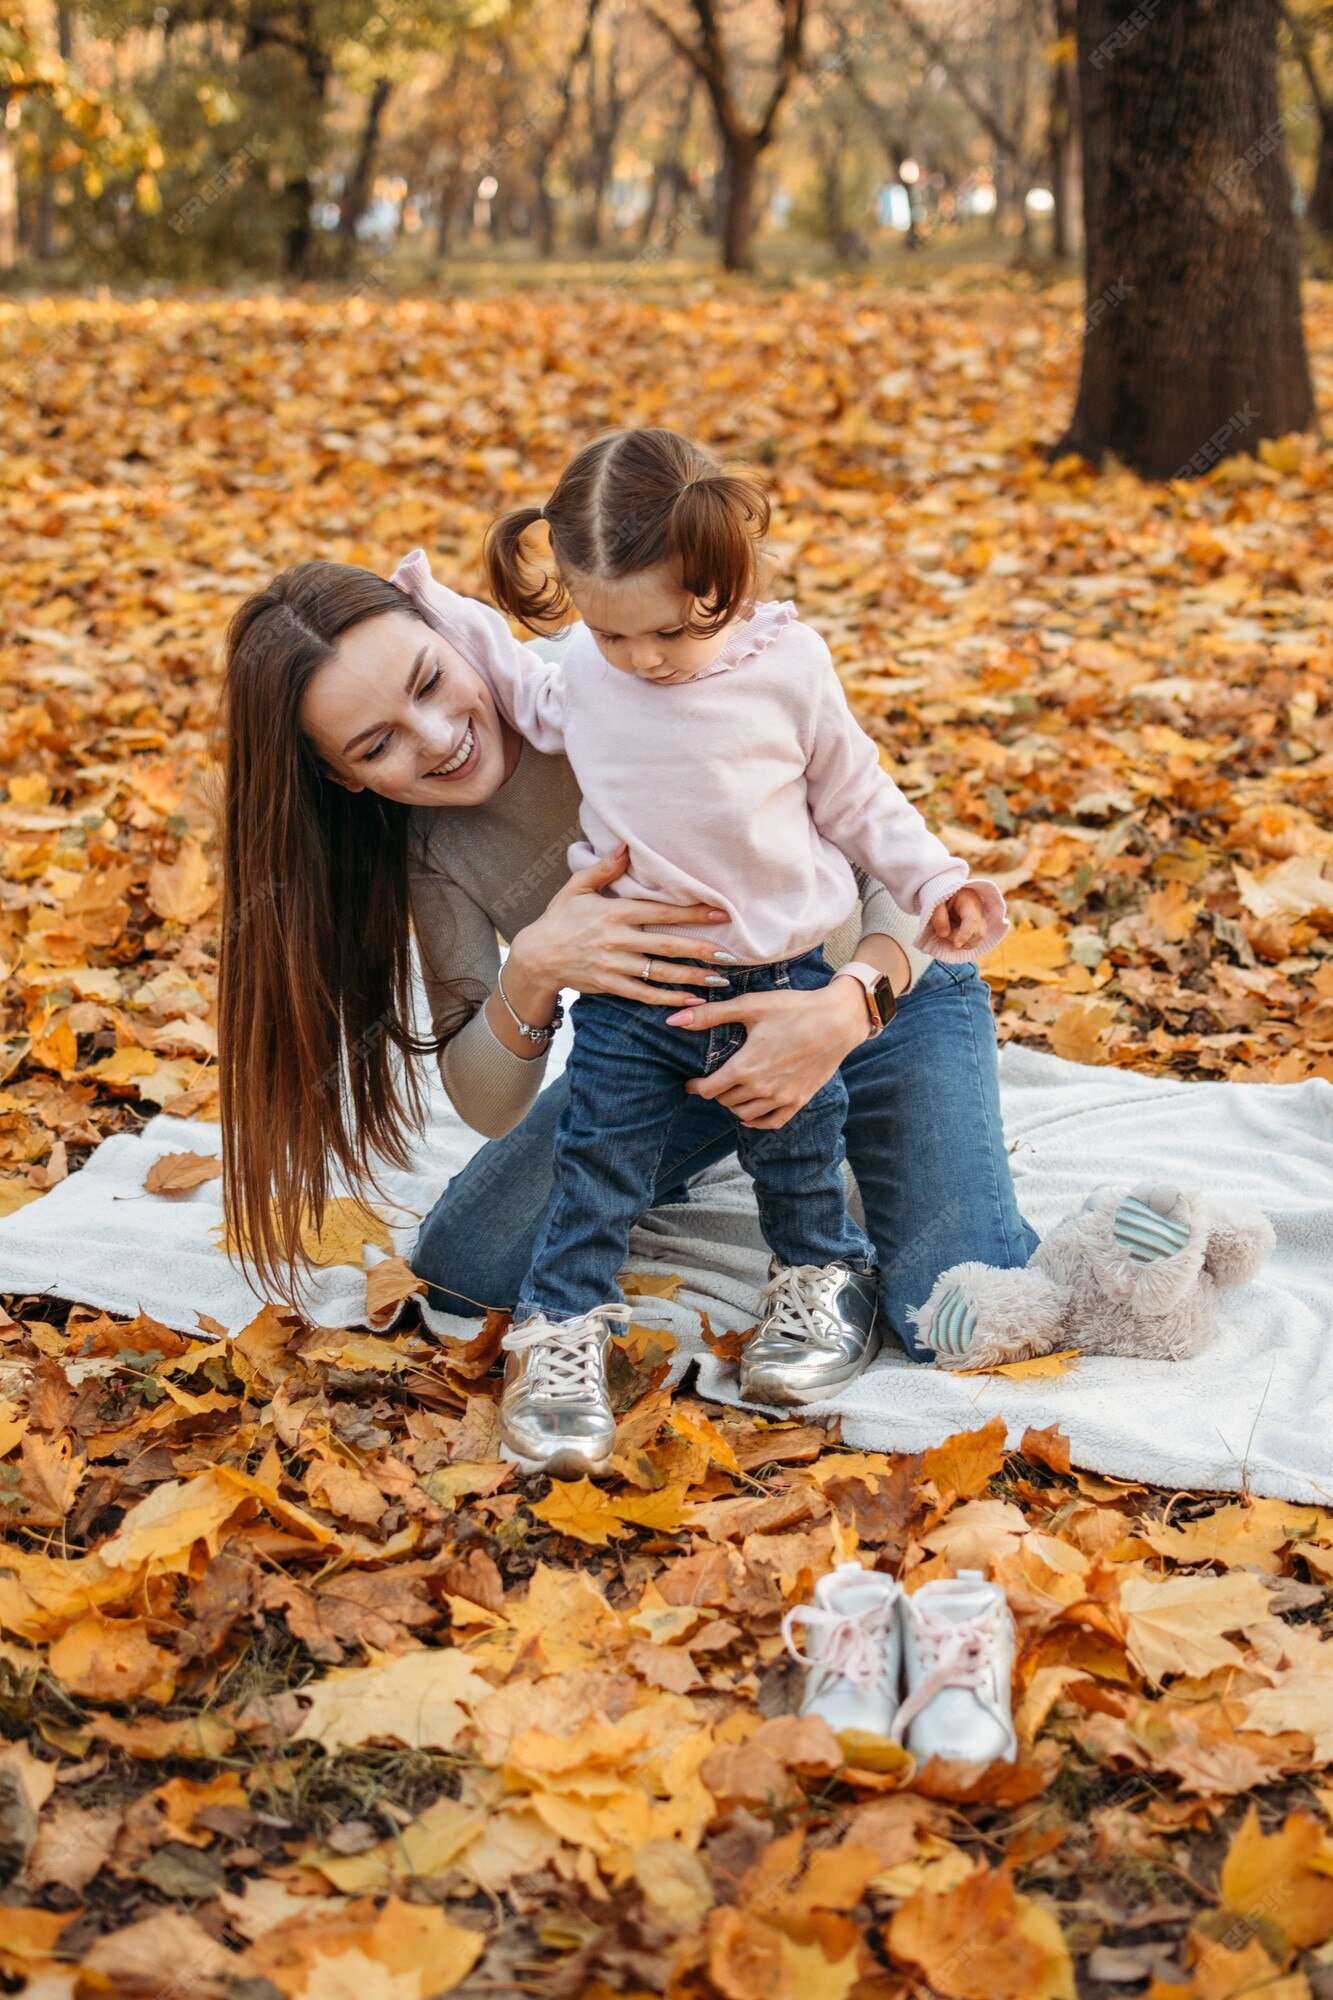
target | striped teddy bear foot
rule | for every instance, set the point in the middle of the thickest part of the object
(1143, 1231)
(1137, 1271)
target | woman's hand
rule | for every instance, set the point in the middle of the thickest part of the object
(608, 944)
(793, 1044)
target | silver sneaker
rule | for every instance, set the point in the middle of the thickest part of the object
(555, 1413)
(816, 1331)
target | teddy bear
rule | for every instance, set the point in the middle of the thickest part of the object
(1137, 1272)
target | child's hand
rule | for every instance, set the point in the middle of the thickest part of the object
(960, 921)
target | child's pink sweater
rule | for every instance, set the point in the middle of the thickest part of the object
(750, 787)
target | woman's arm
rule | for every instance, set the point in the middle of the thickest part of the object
(584, 940)
(490, 1083)
(878, 916)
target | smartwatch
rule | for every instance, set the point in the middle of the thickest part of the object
(878, 991)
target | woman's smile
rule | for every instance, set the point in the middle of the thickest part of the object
(466, 755)
(398, 712)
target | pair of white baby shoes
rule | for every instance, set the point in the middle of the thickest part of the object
(933, 1670)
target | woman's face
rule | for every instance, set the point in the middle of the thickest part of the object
(396, 711)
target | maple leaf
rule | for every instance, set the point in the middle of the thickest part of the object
(965, 1463)
(358, 1352)
(675, 1882)
(15, 1194)
(974, 1535)
(419, 1699)
(113, 1659)
(1301, 1697)
(1285, 1878)
(388, 1284)
(1175, 1624)
(650, 1284)
(1079, 1031)
(419, 1852)
(353, 1976)
(698, 1429)
(566, 1618)
(1049, 1447)
(1030, 951)
(816, 1977)
(1038, 1367)
(1247, 1532)
(182, 890)
(341, 1237)
(983, 1941)
(402, 1952)
(1294, 888)
(178, 1173)
(153, 1957)
(578, 1508)
(125, 1066)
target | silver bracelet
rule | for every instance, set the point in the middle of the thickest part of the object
(538, 1036)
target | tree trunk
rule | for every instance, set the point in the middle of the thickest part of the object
(45, 239)
(1320, 210)
(299, 189)
(359, 181)
(740, 187)
(831, 196)
(1193, 345)
(592, 226)
(1066, 218)
(9, 197)
(544, 205)
(450, 199)
(44, 242)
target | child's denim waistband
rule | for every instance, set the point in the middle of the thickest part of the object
(755, 978)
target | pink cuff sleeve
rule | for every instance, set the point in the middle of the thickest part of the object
(938, 891)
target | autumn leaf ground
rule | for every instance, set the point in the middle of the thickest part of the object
(303, 1692)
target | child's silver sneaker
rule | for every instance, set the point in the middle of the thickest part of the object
(555, 1412)
(816, 1332)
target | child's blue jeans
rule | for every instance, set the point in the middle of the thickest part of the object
(627, 1073)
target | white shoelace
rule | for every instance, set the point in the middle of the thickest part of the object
(796, 1295)
(855, 1644)
(954, 1655)
(566, 1364)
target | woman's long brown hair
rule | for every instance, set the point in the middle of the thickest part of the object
(315, 986)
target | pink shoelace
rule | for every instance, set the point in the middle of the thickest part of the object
(854, 1646)
(954, 1655)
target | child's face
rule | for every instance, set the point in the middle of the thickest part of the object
(639, 623)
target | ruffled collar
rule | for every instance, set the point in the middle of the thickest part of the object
(755, 634)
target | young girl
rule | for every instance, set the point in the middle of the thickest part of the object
(710, 736)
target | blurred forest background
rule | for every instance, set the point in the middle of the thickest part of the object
(221, 139)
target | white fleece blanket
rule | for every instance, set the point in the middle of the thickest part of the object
(1255, 1410)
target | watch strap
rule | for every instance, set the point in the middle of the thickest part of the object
(877, 988)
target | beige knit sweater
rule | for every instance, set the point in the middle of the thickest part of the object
(482, 873)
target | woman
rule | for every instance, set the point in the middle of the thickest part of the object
(374, 788)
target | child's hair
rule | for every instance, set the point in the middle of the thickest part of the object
(631, 501)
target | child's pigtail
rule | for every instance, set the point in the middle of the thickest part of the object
(717, 524)
(524, 589)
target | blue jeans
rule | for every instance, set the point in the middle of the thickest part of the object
(626, 1075)
(922, 1132)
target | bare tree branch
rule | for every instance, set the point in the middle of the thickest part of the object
(937, 52)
